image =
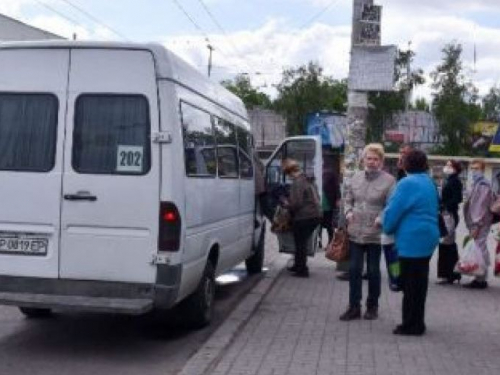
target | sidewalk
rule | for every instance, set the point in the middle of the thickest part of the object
(296, 331)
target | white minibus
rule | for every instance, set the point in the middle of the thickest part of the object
(126, 181)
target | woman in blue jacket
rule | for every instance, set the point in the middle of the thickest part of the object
(412, 216)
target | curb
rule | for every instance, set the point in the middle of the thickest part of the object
(207, 357)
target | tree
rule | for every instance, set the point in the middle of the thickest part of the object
(491, 105)
(242, 87)
(422, 105)
(305, 89)
(454, 102)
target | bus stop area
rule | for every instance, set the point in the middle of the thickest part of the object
(291, 326)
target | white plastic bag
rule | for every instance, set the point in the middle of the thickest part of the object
(471, 262)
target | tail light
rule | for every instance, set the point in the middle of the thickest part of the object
(169, 237)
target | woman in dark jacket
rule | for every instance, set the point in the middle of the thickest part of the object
(451, 197)
(304, 205)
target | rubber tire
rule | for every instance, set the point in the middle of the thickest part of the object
(35, 313)
(199, 306)
(255, 263)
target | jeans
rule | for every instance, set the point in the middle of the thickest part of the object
(414, 281)
(357, 252)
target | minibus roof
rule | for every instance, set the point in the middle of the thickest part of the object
(169, 66)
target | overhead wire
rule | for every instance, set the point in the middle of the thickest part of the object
(60, 14)
(223, 31)
(319, 14)
(95, 19)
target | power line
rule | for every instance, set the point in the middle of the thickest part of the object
(219, 26)
(319, 14)
(193, 22)
(60, 14)
(96, 20)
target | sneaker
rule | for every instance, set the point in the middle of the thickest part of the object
(352, 313)
(371, 313)
(474, 284)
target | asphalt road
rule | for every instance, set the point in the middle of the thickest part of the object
(95, 344)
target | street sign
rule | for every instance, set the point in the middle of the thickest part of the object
(372, 68)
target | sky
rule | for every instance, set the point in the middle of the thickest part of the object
(262, 37)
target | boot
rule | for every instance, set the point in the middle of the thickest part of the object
(371, 313)
(352, 313)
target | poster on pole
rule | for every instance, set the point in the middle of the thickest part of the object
(372, 68)
(369, 25)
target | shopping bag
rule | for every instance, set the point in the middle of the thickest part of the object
(282, 220)
(338, 248)
(472, 262)
(393, 267)
(497, 260)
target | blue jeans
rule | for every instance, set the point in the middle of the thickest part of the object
(357, 256)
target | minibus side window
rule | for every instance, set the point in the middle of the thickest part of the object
(28, 132)
(111, 135)
(245, 153)
(199, 142)
(227, 149)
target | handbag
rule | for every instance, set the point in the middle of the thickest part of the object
(393, 267)
(338, 248)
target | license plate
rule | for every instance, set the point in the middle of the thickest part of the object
(23, 244)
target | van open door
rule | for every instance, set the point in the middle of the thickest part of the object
(307, 151)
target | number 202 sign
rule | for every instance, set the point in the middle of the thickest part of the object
(129, 159)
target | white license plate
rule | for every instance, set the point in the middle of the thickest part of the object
(22, 244)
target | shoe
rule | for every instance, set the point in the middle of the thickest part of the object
(292, 268)
(371, 313)
(406, 331)
(443, 282)
(352, 313)
(301, 273)
(474, 284)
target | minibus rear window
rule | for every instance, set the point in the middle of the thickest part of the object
(111, 135)
(28, 132)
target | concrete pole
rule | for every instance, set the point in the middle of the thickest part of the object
(357, 110)
(357, 115)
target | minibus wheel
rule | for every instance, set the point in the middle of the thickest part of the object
(33, 312)
(255, 263)
(199, 306)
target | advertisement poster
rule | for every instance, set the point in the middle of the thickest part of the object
(329, 126)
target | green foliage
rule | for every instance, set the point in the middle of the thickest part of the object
(242, 87)
(422, 105)
(491, 105)
(454, 102)
(305, 89)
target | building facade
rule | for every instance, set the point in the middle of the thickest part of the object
(12, 30)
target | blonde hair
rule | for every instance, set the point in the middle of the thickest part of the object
(376, 148)
(479, 162)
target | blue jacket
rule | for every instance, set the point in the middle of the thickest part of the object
(412, 216)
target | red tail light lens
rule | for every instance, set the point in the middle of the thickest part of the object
(169, 237)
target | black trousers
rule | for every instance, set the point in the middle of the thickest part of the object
(302, 231)
(414, 282)
(447, 259)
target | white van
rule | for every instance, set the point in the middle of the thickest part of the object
(126, 180)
